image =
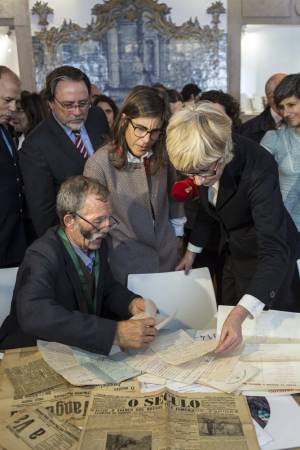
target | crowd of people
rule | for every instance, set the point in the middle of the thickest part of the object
(86, 190)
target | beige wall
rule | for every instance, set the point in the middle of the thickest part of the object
(243, 12)
(16, 14)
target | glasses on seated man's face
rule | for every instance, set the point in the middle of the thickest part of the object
(103, 222)
(206, 172)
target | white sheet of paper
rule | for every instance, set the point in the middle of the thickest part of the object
(269, 324)
(283, 425)
(271, 352)
(192, 296)
(150, 307)
(262, 436)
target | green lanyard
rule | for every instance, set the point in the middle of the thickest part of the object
(91, 302)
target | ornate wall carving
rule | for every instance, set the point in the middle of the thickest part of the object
(134, 42)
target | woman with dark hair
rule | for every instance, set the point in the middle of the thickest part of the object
(30, 111)
(108, 106)
(230, 105)
(284, 144)
(175, 100)
(135, 168)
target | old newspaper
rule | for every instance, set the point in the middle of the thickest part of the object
(165, 420)
(38, 429)
(64, 401)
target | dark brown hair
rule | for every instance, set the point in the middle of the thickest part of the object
(142, 101)
(64, 73)
(34, 108)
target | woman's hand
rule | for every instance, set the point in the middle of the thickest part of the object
(231, 335)
(186, 262)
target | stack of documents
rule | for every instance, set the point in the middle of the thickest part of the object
(272, 346)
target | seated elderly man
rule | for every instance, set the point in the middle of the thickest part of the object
(65, 291)
(240, 209)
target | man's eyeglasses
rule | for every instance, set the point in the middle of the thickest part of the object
(103, 222)
(207, 172)
(70, 106)
(140, 131)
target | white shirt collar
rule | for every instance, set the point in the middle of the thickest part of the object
(134, 159)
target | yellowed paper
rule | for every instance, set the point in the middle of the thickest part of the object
(82, 368)
(38, 429)
(149, 362)
(285, 375)
(227, 374)
(165, 420)
(181, 354)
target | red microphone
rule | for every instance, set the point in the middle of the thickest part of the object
(184, 190)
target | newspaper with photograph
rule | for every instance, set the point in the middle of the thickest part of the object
(163, 420)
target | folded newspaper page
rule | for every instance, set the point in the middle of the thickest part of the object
(164, 420)
(38, 429)
(26, 373)
(66, 402)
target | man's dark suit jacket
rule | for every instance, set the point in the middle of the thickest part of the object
(48, 302)
(253, 227)
(257, 127)
(48, 157)
(12, 234)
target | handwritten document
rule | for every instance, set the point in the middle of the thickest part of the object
(79, 367)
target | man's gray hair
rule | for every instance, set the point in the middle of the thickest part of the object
(73, 193)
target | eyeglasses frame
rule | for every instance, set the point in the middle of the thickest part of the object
(116, 221)
(204, 172)
(147, 131)
(74, 106)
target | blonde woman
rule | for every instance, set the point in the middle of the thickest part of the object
(240, 206)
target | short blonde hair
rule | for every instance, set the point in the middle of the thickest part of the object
(197, 136)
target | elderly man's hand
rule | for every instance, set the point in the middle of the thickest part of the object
(136, 306)
(135, 333)
(231, 335)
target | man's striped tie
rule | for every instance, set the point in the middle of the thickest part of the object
(80, 145)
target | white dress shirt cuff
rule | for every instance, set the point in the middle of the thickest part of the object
(178, 225)
(194, 248)
(298, 266)
(252, 304)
